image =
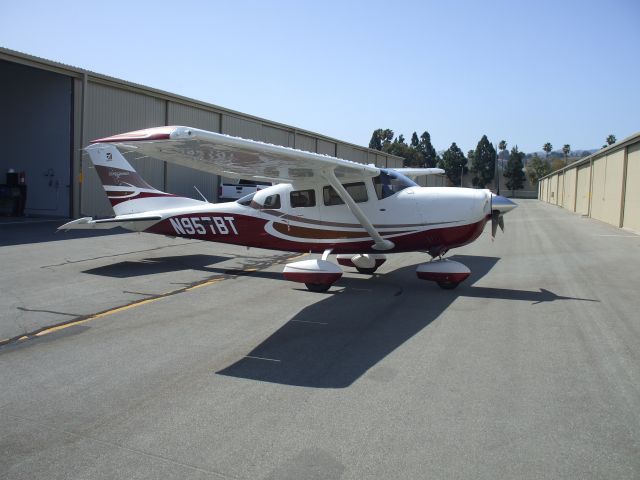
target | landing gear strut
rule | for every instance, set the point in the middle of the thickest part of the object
(366, 263)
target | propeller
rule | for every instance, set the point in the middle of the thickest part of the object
(497, 220)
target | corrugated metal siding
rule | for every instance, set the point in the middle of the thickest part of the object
(632, 191)
(181, 180)
(111, 111)
(189, 116)
(306, 143)
(351, 153)
(607, 188)
(583, 190)
(326, 148)
(240, 127)
(553, 189)
(276, 136)
(560, 189)
(569, 189)
(394, 162)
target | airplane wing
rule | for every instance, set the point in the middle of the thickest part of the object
(235, 157)
(419, 172)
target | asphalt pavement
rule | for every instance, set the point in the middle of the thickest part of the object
(182, 359)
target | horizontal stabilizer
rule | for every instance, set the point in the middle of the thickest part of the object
(88, 223)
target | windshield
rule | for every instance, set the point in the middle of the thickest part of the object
(246, 200)
(390, 182)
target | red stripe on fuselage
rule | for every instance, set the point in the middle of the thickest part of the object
(250, 231)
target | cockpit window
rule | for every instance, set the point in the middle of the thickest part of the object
(246, 200)
(389, 183)
(272, 202)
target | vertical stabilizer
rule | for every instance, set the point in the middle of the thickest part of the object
(126, 190)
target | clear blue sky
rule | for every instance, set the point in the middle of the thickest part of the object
(527, 72)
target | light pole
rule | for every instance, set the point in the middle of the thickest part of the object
(497, 174)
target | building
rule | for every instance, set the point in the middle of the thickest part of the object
(50, 111)
(604, 185)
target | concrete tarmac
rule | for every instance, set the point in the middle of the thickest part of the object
(204, 363)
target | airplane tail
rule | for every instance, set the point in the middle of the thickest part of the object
(126, 190)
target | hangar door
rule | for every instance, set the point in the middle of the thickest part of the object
(632, 192)
(583, 190)
(35, 133)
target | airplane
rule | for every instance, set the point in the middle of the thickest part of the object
(317, 204)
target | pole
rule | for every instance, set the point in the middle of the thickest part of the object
(497, 172)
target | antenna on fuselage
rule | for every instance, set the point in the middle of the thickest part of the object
(203, 197)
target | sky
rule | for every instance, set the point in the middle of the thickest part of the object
(562, 71)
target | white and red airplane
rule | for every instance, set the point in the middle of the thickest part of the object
(318, 204)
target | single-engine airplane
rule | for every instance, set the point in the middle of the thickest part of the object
(318, 204)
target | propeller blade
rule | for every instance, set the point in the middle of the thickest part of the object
(501, 222)
(495, 221)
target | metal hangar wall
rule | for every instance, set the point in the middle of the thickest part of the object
(54, 110)
(604, 185)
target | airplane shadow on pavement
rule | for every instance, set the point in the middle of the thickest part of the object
(335, 341)
(156, 265)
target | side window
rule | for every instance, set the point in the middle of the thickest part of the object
(358, 192)
(303, 198)
(272, 202)
(331, 197)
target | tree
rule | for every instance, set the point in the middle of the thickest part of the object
(484, 163)
(412, 157)
(611, 139)
(547, 147)
(513, 173)
(502, 146)
(427, 150)
(470, 155)
(566, 150)
(556, 164)
(453, 162)
(537, 168)
(380, 138)
(415, 141)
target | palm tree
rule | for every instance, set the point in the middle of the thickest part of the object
(611, 139)
(547, 147)
(566, 150)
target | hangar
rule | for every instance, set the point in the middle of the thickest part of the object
(50, 111)
(604, 185)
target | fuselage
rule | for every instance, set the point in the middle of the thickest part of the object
(308, 218)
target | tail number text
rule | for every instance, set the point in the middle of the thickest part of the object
(204, 225)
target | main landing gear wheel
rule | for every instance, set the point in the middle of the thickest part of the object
(318, 287)
(448, 285)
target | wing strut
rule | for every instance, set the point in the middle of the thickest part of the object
(380, 243)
